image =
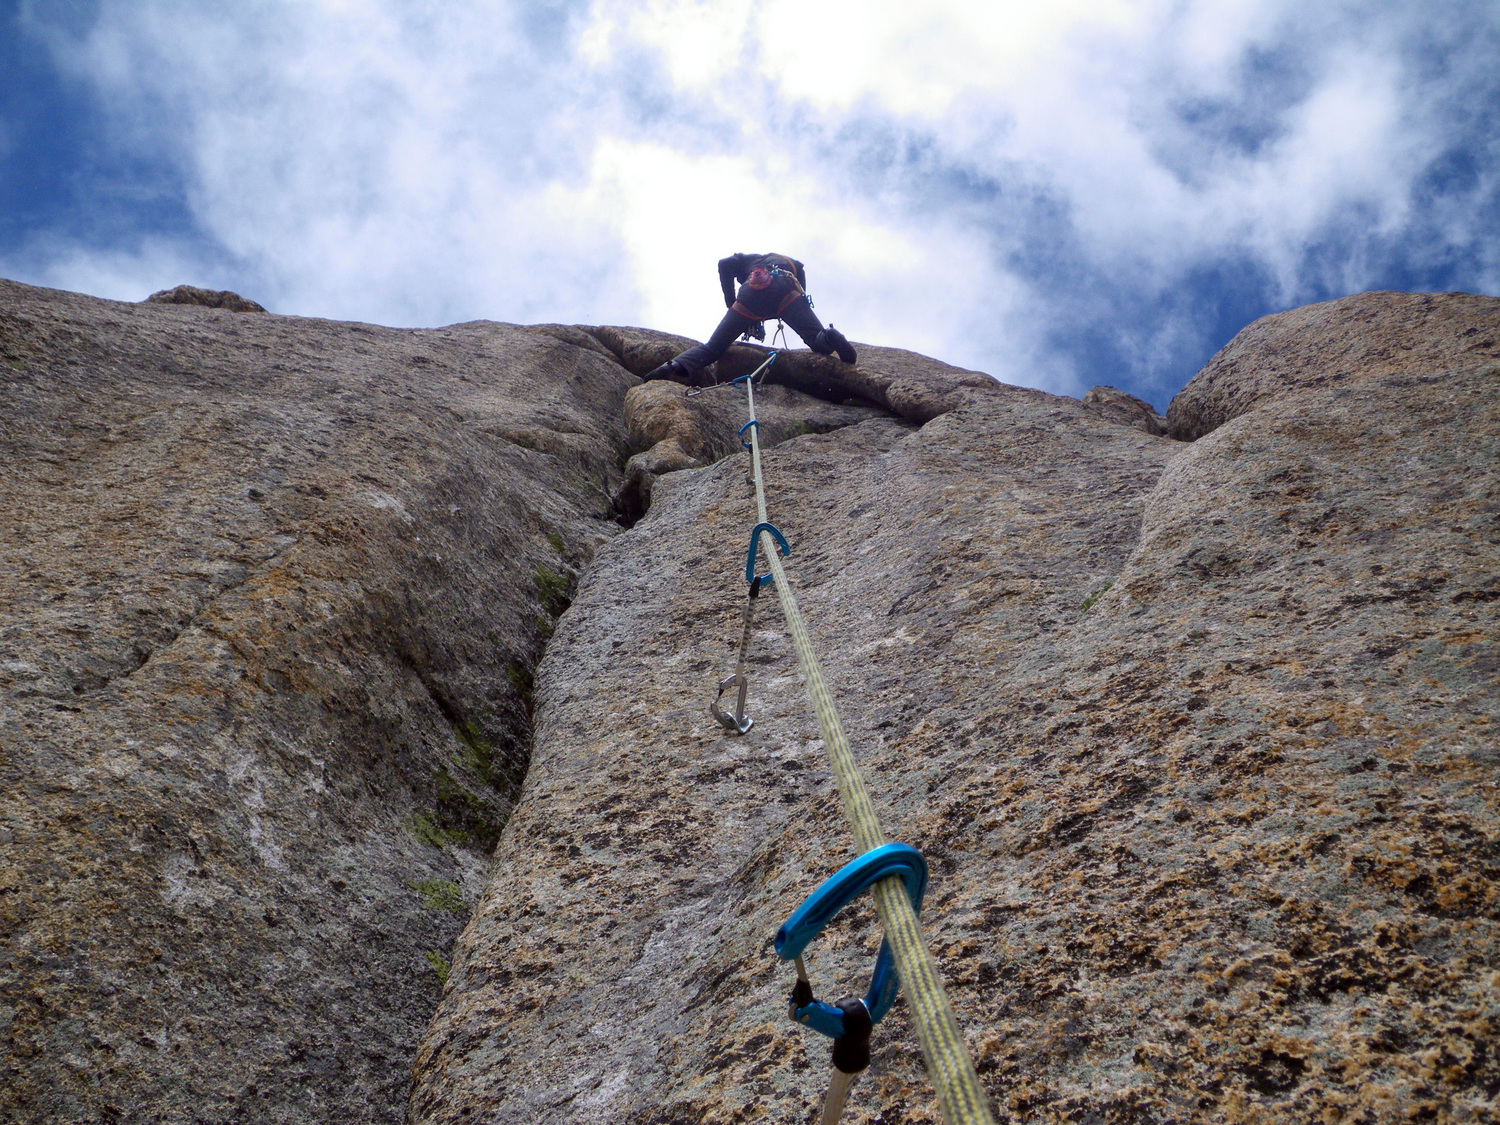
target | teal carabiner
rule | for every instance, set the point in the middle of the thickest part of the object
(808, 920)
(750, 575)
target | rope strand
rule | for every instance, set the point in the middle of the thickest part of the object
(949, 1066)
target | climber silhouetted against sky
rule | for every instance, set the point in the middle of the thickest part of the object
(771, 285)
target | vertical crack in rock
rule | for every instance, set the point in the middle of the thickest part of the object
(668, 851)
(232, 878)
(1197, 739)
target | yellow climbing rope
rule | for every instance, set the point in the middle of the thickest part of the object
(960, 1094)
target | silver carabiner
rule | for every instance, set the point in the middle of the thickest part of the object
(737, 722)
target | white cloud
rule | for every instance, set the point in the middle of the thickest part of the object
(987, 183)
(121, 274)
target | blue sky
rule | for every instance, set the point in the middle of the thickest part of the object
(1081, 192)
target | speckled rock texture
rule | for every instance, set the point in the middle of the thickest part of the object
(1122, 407)
(208, 298)
(676, 430)
(273, 589)
(1200, 741)
(1369, 336)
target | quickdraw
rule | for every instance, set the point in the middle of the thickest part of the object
(848, 1022)
(737, 722)
(895, 874)
(757, 374)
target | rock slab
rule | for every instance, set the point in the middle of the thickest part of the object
(1200, 741)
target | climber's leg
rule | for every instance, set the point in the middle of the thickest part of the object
(800, 316)
(695, 359)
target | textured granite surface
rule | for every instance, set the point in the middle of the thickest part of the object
(272, 591)
(1337, 343)
(1199, 738)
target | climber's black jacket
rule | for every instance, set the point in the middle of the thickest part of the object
(737, 267)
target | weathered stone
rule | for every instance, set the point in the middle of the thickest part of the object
(1125, 409)
(640, 349)
(1368, 336)
(674, 431)
(909, 385)
(1199, 741)
(273, 589)
(208, 298)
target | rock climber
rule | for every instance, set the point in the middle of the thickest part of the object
(771, 285)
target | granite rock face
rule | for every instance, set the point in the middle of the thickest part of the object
(1121, 407)
(273, 591)
(674, 431)
(1369, 336)
(1199, 739)
(208, 298)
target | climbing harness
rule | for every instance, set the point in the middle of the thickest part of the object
(894, 873)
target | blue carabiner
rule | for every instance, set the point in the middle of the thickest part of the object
(808, 920)
(753, 422)
(755, 531)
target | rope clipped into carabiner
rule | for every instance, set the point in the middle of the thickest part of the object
(960, 1095)
(848, 1022)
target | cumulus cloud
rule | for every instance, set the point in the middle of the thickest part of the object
(1063, 194)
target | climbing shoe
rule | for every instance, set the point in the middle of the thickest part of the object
(668, 370)
(839, 342)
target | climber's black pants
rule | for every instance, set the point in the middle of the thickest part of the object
(798, 314)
